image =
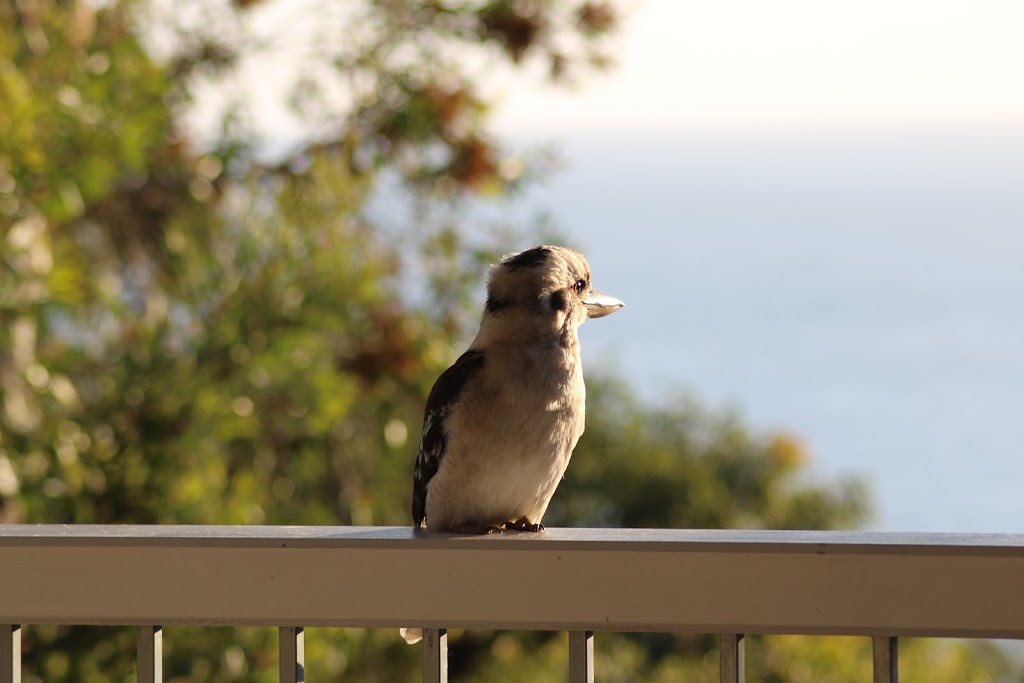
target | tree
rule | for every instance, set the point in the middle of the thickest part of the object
(198, 327)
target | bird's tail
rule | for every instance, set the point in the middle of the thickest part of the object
(411, 635)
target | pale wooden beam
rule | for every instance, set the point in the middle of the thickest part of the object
(149, 642)
(10, 653)
(435, 655)
(732, 662)
(292, 654)
(814, 583)
(885, 653)
(581, 657)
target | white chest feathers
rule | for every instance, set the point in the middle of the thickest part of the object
(508, 444)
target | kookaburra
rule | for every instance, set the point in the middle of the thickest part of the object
(501, 423)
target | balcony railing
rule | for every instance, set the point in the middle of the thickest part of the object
(731, 583)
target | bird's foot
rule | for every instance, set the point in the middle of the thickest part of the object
(524, 525)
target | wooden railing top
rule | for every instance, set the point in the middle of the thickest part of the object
(680, 540)
(814, 582)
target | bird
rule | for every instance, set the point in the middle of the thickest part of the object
(501, 423)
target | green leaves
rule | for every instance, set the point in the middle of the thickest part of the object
(77, 88)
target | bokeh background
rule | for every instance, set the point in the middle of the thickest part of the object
(240, 239)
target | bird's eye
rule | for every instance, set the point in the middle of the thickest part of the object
(580, 286)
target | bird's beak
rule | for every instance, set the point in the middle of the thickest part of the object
(599, 305)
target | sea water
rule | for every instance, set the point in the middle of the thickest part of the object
(863, 290)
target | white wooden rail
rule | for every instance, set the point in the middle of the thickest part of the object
(730, 583)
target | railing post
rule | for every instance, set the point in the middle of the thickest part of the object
(149, 648)
(885, 653)
(291, 654)
(732, 667)
(10, 653)
(581, 657)
(435, 655)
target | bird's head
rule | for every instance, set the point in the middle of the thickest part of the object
(544, 292)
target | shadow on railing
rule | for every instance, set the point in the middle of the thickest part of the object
(731, 583)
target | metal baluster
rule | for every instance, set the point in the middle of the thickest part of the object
(149, 652)
(885, 652)
(291, 654)
(581, 657)
(10, 653)
(435, 655)
(732, 667)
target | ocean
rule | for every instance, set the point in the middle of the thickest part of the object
(862, 290)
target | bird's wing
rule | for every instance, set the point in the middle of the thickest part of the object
(446, 393)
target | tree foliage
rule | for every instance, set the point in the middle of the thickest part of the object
(196, 327)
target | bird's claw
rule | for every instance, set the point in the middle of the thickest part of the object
(523, 525)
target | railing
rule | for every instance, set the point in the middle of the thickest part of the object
(730, 583)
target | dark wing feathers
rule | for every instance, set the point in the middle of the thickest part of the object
(434, 440)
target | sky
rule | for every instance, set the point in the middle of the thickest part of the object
(751, 64)
(684, 66)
